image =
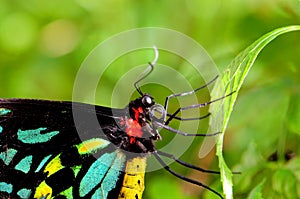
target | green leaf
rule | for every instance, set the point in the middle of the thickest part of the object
(293, 115)
(256, 192)
(284, 183)
(232, 80)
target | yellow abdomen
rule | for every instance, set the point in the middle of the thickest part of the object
(133, 183)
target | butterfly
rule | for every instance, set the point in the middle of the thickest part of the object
(46, 153)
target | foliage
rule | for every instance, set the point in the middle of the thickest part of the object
(43, 43)
(232, 80)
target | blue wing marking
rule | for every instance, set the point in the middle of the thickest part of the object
(42, 163)
(24, 193)
(104, 169)
(34, 136)
(8, 155)
(112, 176)
(25, 164)
(4, 187)
(4, 111)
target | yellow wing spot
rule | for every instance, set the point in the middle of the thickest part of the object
(53, 166)
(43, 191)
(92, 145)
(133, 183)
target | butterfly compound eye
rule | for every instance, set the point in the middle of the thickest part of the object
(147, 100)
(158, 112)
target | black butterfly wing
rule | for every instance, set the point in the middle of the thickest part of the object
(37, 134)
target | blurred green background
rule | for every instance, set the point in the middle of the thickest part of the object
(43, 43)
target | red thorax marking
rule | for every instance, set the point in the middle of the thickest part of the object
(137, 112)
(133, 128)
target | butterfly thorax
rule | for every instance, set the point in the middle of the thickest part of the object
(138, 134)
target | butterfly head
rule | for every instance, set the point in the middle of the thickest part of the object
(138, 125)
(143, 111)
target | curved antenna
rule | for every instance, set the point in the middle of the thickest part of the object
(156, 55)
(146, 72)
